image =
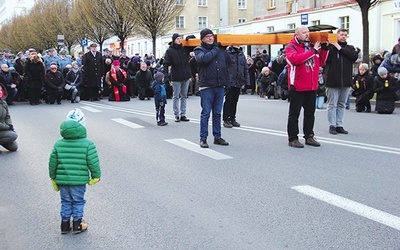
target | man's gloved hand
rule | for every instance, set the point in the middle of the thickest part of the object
(11, 127)
(94, 181)
(55, 186)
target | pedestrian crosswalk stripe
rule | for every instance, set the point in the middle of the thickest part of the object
(91, 109)
(127, 123)
(351, 206)
(196, 148)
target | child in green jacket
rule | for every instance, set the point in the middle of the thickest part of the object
(73, 163)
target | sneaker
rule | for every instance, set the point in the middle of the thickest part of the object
(177, 119)
(296, 144)
(235, 123)
(312, 142)
(184, 119)
(332, 130)
(340, 130)
(221, 142)
(227, 124)
(203, 144)
(66, 227)
(79, 226)
(162, 123)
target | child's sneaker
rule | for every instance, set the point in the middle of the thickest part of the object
(65, 227)
(79, 226)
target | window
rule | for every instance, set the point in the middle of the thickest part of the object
(180, 22)
(242, 20)
(315, 4)
(270, 29)
(202, 2)
(179, 2)
(315, 22)
(202, 22)
(242, 4)
(344, 22)
(291, 26)
(271, 4)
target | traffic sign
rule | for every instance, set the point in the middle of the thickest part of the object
(84, 42)
(304, 19)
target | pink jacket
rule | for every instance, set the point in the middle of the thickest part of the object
(302, 76)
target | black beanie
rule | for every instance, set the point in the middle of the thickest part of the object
(205, 32)
(174, 36)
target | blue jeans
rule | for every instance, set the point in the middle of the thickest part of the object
(72, 202)
(180, 93)
(211, 100)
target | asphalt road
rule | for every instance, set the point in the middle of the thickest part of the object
(160, 190)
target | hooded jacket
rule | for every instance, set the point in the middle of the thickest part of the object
(300, 75)
(73, 160)
(339, 65)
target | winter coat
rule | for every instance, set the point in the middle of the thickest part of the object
(54, 81)
(74, 79)
(212, 65)
(143, 78)
(5, 118)
(364, 90)
(178, 58)
(35, 73)
(238, 71)
(73, 160)
(94, 69)
(300, 75)
(339, 66)
(160, 94)
(383, 92)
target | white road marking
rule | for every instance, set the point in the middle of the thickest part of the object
(91, 109)
(352, 144)
(351, 206)
(196, 148)
(127, 123)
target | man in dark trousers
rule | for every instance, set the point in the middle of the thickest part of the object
(93, 71)
(303, 60)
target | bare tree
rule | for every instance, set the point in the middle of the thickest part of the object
(115, 15)
(88, 27)
(365, 6)
(155, 17)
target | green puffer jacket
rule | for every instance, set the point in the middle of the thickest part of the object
(73, 156)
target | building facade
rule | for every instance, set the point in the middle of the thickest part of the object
(10, 8)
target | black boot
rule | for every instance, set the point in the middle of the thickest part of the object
(65, 227)
(79, 226)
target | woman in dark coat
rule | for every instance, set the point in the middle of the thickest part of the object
(8, 136)
(385, 86)
(35, 72)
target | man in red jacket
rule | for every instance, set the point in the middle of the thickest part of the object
(304, 60)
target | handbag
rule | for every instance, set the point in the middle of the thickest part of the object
(68, 86)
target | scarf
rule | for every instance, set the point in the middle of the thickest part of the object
(114, 76)
(307, 47)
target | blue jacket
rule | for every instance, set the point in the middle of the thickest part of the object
(160, 94)
(238, 71)
(212, 65)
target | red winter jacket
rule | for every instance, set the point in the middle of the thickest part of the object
(301, 76)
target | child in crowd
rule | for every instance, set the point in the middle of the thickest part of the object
(321, 90)
(160, 98)
(73, 163)
(363, 88)
(385, 87)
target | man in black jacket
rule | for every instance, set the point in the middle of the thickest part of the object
(339, 68)
(177, 57)
(94, 70)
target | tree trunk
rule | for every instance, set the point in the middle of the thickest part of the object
(365, 24)
(153, 38)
